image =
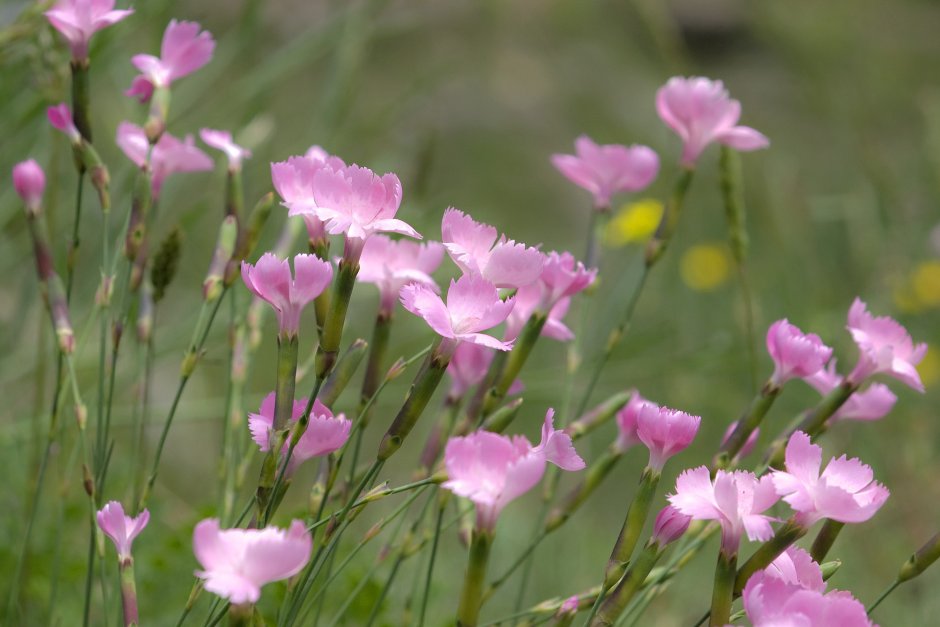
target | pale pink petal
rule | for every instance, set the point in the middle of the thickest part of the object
(511, 264)
(743, 138)
(803, 458)
(556, 446)
(185, 49)
(424, 303)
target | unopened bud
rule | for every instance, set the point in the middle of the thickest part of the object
(249, 238)
(373, 531)
(29, 181)
(105, 291)
(87, 481)
(81, 416)
(189, 363)
(829, 569)
(165, 263)
(921, 560)
(378, 492)
(224, 248)
(396, 370)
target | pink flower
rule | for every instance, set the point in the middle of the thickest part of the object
(78, 20)
(293, 180)
(872, 403)
(184, 50)
(605, 170)
(627, 422)
(473, 305)
(670, 525)
(270, 279)
(469, 366)
(748, 445)
(356, 201)
(736, 500)
(529, 298)
(325, 433)
(795, 354)
(791, 592)
(844, 492)
(122, 529)
(564, 276)
(237, 562)
(60, 117)
(884, 347)
(169, 156)
(29, 181)
(492, 469)
(222, 140)
(664, 431)
(700, 112)
(392, 264)
(473, 246)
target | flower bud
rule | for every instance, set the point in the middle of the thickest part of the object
(921, 560)
(30, 183)
(670, 525)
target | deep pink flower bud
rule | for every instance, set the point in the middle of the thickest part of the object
(737, 500)
(700, 111)
(121, 529)
(183, 51)
(872, 403)
(748, 445)
(627, 422)
(474, 247)
(78, 20)
(664, 431)
(236, 563)
(222, 140)
(492, 469)
(609, 169)
(884, 347)
(29, 181)
(169, 156)
(392, 264)
(670, 525)
(473, 305)
(60, 117)
(844, 492)
(271, 280)
(325, 432)
(795, 354)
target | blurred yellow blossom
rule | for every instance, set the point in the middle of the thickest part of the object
(926, 283)
(634, 222)
(705, 267)
(929, 368)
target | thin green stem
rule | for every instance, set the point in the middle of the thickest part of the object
(427, 581)
(883, 596)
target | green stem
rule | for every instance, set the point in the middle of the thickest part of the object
(471, 597)
(520, 352)
(825, 539)
(883, 596)
(128, 593)
(746, 425)
(377, 350)
(427, 581)
(632, 526)
(343, 285)
(790, 532)
(723, 591)
(631, 583)
(580, 493)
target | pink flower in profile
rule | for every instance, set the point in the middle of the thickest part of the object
(78, 20)
(748, 445)
(473, 305)
(872, 403)
(392, 264)
(795, 354)
(564, 276)
(325, 432)
(737, 500)
(60, 117)
(356, 201)
(29, 181)
(492, 469)
(469, 366)
(664, 431)
(184, 50)
(627, 422)
(120, 528)
(605, 170)
(884, 347)
(222, 140)
(169, 156)
(791, 592)
(270, 279)
(670, 525)
(530, 298)
(700, 111)
(474, 247)
(236, 563)
(293, 180)
(844, 492)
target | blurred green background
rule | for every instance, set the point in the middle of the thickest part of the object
(466, 100)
